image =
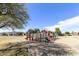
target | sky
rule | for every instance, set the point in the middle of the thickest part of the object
(51, 15)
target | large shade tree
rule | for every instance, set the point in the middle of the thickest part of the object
(13, 15)
(30, 31)
(36, 30)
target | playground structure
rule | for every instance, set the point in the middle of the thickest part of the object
(43, 36)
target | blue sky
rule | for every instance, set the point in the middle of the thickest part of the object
(52, 15)
(48, 15)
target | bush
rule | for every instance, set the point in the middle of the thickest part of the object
(58, 31)
(67, 33)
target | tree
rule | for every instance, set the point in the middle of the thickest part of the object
(30, 31)
(4, 34)
(67, 33)
(58, 31)
(13, 15)
(33, 30)
(36, 30)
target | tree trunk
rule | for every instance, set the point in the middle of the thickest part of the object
(13, 31)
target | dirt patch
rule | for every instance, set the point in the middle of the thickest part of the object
(35, 49)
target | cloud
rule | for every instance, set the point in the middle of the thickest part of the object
(71, 24)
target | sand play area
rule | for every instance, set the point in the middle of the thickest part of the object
(71, 41)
